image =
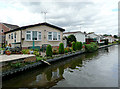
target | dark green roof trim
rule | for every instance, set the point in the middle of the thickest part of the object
(24, 27)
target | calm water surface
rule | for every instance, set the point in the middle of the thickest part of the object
(98, 69)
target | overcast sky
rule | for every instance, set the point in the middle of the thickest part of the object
(99, 16)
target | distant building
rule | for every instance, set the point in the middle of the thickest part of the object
(4, 27)
(80, 36)
(92, 37)
(110, 39)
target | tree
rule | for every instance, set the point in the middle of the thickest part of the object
(61, 48)
(115, 36)
(49, 51)
(70, 39)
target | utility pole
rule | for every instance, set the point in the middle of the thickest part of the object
(44, 12)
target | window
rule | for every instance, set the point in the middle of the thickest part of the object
(54, 35)
(15, 40)
(39, 35)
(49, 35)
(15, 35)
(34, 35)
(28, 35)
(11, 35)
(2, 31)
(58, 35)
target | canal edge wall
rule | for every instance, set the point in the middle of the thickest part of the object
(30, 66)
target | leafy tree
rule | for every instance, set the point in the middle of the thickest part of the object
(70, 39)
(115, 36)
(61, 48)
(49, 51)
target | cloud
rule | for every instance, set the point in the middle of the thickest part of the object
(91, 15)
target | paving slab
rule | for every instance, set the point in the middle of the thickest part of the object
(4, 58)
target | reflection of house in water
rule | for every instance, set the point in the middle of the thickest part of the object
(48, 78)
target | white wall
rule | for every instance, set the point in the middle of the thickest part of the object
(80, 37)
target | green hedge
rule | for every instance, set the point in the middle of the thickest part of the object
(74, 46)
(49, 51)
(91, 47)
(61, 48)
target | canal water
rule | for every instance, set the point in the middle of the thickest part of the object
(98, 69)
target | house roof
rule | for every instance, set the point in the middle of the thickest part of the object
(73, 32)
(39, 24)
(11, 26)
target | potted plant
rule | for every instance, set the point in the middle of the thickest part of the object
(7, 52)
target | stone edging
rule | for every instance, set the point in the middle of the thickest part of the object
(29, 66)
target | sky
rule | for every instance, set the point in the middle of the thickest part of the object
(99, 16)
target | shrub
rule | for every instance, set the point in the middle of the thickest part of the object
(36, 49)
(36, 53)
(70, 50)
(55, 51)
(49, 51)
(73, 46)
(25, 51)
(80, 45)
(77, 46)
(66, 51)
(61, 48)
(91, 47)
(39, 58)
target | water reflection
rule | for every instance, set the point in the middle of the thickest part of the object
(48, 76)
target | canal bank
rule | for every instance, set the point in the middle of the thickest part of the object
(29, 67)
(97, 69)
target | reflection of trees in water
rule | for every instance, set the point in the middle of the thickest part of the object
(49, 74)
(89, 56)
(106, 49)
(76, 62)
(61, 71)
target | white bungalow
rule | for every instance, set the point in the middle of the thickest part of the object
(80, 36)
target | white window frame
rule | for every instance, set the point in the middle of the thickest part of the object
(56, 36)
(38, 36)
(32, 36)
(50, 34)
(58, 33)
